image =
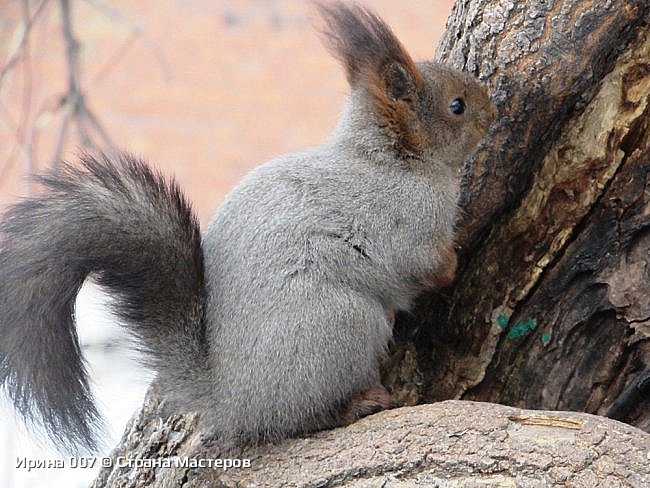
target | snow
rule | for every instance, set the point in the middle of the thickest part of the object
(119, 384)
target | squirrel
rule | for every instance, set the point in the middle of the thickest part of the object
(272, 323)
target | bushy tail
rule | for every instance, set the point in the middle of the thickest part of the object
(136, 233)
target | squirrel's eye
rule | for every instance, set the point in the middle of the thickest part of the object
(457, 106)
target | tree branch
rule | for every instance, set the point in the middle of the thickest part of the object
(450, 443)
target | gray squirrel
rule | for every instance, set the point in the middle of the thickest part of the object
(273, 322)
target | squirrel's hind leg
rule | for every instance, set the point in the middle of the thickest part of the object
(366, 403)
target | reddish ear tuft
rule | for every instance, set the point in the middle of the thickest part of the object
(375, 60)
(363, 43)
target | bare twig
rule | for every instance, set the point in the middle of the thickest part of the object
(16, 149)
(115, 58)
(136, 32)
(77, 118)
(24, 135)
(26, 30)
(71, 48)
(99, 128)
(74, 99)
(21, 146)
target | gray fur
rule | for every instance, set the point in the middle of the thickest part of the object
(305, 262)
(136, 233)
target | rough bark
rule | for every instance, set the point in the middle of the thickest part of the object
(448, 444)
(551, 308)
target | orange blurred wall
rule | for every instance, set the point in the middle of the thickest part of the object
(206, 90)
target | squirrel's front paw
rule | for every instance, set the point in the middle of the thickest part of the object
(447, 270)
(365, 403)
(449, 266)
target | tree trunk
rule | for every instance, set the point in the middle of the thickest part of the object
(551, 307)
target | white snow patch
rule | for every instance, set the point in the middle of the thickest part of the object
(119, 384)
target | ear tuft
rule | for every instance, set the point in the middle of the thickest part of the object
(375, 61)
(365, 45)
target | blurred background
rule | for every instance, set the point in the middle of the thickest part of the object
(204, 90)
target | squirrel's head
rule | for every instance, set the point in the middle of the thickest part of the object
(422, 110)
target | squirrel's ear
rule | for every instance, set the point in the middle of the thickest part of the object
(367, 48)
(375, 61)
(399, 83)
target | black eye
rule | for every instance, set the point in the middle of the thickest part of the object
(457, 106)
